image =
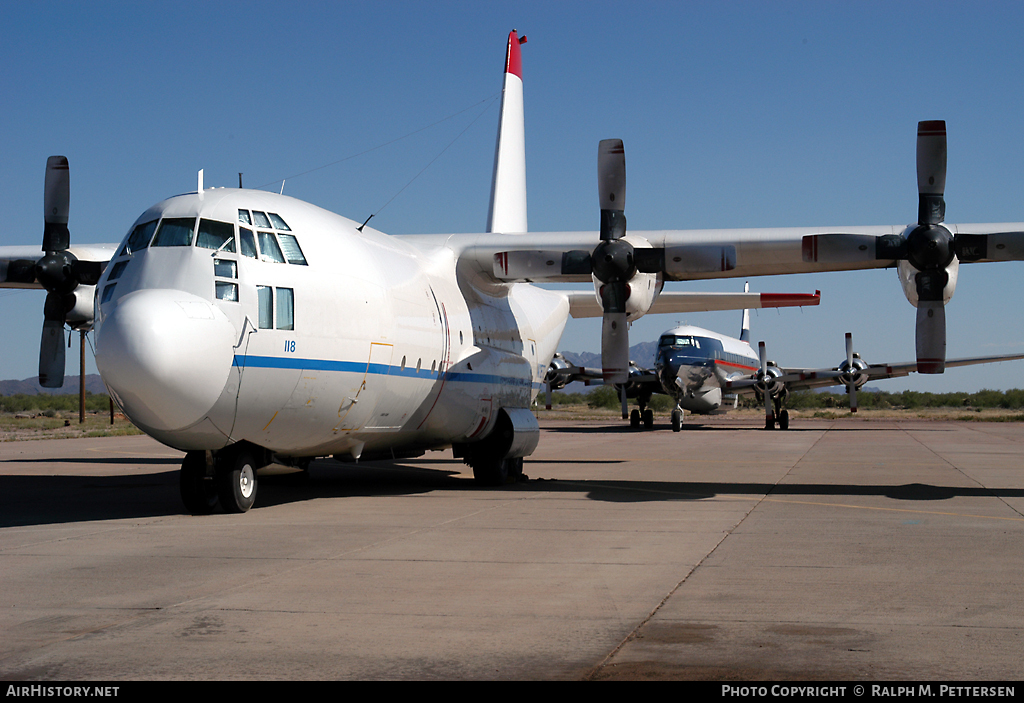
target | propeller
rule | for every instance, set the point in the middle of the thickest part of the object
(613, 261)
(58, 271)
(763, 376)
(849, 372)
(929, 247)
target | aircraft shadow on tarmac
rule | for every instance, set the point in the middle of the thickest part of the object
(41, 500)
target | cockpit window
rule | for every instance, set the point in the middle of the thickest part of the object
(243, 217)
(219, 236)
(175, 232)
(292, 252)
(278, 222)
(269, 248)
(247, 241)
(261, 219)
(679, 342)
(139, 238)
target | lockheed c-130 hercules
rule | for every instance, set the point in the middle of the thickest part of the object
(245, 327)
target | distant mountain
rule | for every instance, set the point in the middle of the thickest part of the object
(641, 354)
(30, 386)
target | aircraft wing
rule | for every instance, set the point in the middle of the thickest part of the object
(803, 379)
(681, 255)
(586, 304)
(18, 264)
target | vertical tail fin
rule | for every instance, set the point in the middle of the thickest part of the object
(745, 325)
(507, 212)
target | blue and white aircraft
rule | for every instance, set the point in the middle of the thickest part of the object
(245, 327)
(699, 369)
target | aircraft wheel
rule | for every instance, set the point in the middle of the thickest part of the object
(496, 472)
(634, 418)
(648, 419)
(236, 482)
(784, 420)
(198, 491)
(677, 420)
(769, 424)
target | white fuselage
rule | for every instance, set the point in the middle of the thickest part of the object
(693, 365)
(354, 342)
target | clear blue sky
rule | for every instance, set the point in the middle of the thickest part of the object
(734, 114)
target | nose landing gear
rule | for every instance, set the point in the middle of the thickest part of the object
(226, 477)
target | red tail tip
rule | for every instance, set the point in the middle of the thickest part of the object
(513, 57)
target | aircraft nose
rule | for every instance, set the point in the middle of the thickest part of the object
(166, 354)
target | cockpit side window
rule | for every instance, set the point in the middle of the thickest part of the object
(269, 248)
(292, 252)
(175, 232)
(139, 238)
(278, 222)
(261, 219)
(243, 217)
(247, 242)
(219, 236)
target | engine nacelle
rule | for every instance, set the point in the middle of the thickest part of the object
(643, 287)
(907, 274)
(852, 375)
(559, 372)
(767, 382)
(80, 312)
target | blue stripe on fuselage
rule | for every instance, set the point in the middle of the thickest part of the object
(277, 362)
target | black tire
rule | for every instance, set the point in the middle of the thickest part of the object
(634, 418)
(489, 471)
(784, 420)
(198, 492)
(648, 419)
(677, 421)
(236, 482)
(493, 473)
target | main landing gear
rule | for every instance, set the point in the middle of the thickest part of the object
(644, 414)
(494, 459)
(226, 477)
(780, 417)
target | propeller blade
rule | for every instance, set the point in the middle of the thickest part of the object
(931, 171)
(56, 201)
(849, 350)
(611, 174)
(931, 336)
(852, 248)
(615, 348)
(851, 390)
(51, 346)
(994, 246)
(547, 387)
(763, 355)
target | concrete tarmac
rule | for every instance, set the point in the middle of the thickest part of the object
(839, 550)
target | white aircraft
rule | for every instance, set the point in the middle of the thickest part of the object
(697, 367)
(245, 327)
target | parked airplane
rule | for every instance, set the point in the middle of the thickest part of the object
(245, 327)
(698, 368)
